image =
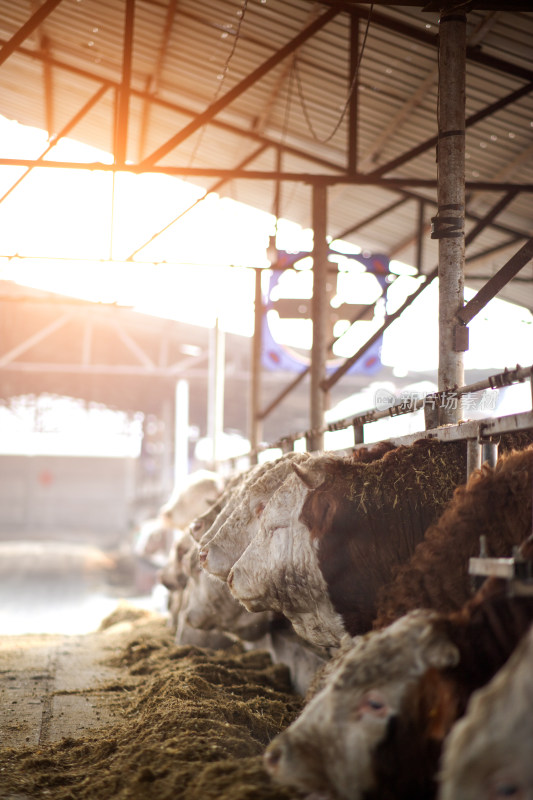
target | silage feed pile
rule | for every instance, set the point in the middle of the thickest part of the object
(192, 725)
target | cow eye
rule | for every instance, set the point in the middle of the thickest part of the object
(374, 704)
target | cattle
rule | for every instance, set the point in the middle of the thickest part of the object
(202, 603)
(329, 747)
(230, 541)
(488, 752)
(495, 502)
(204, 521)
(377, 727)
(333, 532)
(207, 604)
(278, 571)
(191, 497)
(154, 541)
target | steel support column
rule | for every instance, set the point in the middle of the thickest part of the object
(256, 425)
(353, 124)
(449, 225)
(121, 142)
(319, 312)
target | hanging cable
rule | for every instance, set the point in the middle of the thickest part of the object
(222, 74)
(350, 93)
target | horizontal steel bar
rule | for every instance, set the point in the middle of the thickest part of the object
(498, 567)
(263, 175)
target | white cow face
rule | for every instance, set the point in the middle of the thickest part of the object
(220, 553)
(330, 746)
(274, 562)
(279, 570)
(226, 547)
(488, 753)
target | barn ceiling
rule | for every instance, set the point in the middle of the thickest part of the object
(253, 96)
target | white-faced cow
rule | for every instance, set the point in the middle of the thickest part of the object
(221, 552)
(488, 754)
(334, 532)
(376, 730)
(191, 497)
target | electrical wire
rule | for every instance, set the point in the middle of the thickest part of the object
(223, 73)
(350, 93)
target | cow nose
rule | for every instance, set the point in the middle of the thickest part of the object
(272, 756)
(203, 555)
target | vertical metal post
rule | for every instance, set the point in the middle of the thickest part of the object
(489, 453)
(420, 237)
(353, 106)
(451, 202)
(181, 431)
(256, 424)
(215, 391)
(124, 97)
(319, 313)
(473, 456)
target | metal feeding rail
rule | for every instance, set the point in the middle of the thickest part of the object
(478, 432)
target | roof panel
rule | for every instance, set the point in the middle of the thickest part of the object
(188, 65)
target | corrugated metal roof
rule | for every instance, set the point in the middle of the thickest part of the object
(184, 67)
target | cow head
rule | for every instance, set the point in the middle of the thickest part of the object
(331, 746)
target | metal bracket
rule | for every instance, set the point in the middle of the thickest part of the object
(460, 338)
(450, 226)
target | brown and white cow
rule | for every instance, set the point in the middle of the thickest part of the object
(279, 570)
(330, 746)
(488, 754)
(334, 532)
(376, 730)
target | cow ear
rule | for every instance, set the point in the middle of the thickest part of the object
(311, 475)
(442, 654)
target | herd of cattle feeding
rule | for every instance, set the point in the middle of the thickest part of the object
(427, 687)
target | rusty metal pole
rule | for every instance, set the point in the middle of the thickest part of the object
(256, 424)
(449, 223)
(319, 312)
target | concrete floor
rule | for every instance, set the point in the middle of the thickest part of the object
(65, 588)
(54, 681)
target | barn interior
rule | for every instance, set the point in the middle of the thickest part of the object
(397, 136)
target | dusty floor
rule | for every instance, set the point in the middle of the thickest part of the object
(124, 713)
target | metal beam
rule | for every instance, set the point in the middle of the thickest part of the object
(497, 282)
(152, 81)
(179, 109)
(319, 313)
(450, 219)
(423, 146)
(216, 186)
(415, 99)
(121, 133)
(400, 28)
(395, 184)
(23, 347)
(63, 132)
(372, 218)
(48, 88)
(241, 87)
(345, 366)
(28, 28)
(353, 121)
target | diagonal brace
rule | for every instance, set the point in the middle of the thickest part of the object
(497, 282)
(28, 28)
(241, 87)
